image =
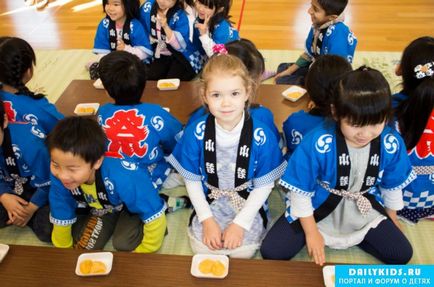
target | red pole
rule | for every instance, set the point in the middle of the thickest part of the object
(241, 15)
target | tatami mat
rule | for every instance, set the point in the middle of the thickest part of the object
(55, 69)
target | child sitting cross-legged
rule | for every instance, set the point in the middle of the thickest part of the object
(94, 196)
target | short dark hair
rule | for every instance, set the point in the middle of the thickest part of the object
(132, 8)
(323, 74)
(333, 7)
(363, 98)
(123, 75)
(80, 136)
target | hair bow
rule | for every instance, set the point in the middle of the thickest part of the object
(219, 49)
(422, 71)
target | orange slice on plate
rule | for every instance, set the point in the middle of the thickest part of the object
(167, 85)
(294, 95)
(206, 266)
(218, 269)
(97, 267)
(85, 266)
(92, 267)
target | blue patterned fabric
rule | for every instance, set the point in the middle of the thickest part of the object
(138, 38)
(338, 40)
(259, 113)
(33, 162)
(266, 162)
(39, 112)
(223, 33)
(296, 126)
(314, 161)
(142, 133)
(181, 28)
(125, 185)
(419, 195)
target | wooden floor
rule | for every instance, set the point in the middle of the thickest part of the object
(380, 25)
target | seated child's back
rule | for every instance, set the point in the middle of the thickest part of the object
(140, 132)
(322, 75)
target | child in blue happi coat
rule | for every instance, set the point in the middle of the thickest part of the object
(167, 26)
(120, 30)
(24, 178)
(95, 195)
(229, 161)
(328, 35)
(345, 180)
(212, 25)
(17, 60)
(414, 110)
(253, 60)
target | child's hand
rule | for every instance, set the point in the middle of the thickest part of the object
(315, 247)
(15, 206)
(203, 28)
(212, 234)
(120, 45)
(30, 209)
(287, 72)
(233, 236)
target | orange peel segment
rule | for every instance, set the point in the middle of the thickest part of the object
(214, 267)
(92, 267)
(167, 85)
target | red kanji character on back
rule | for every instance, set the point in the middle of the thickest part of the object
(9, 110)
(425, 145)
(126, 133)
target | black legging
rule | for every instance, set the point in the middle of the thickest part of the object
(385, 242)
(167, 67)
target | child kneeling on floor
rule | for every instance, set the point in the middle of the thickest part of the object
(94, 195)
(345, 180)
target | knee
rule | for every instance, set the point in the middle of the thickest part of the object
(45, 235)
(272, 251)
(403, 257)
(122, 244)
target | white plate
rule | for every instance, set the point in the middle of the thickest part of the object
(104, 257)
(198, 258)
(172, 84)
(328, 273)
(166, 109)
(98, 84)
(80, 109)
(3, 251)
(293, 93)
